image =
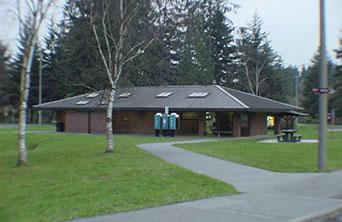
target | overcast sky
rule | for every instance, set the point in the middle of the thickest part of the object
(292, 25)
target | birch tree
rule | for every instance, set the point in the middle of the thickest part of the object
(256, 56)
(111, 22)
(33, 19)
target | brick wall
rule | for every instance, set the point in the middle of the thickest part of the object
(140, 122)
(76, 122)
(257, 124)
(137, 122)
(98, 122)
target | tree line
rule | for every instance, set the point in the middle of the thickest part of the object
(194, 42)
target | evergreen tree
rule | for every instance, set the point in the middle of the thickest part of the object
(196, 65)
(12, 78)
(151, 68)
(337, 83)
(72, 56)
(222, 42)
(3, 77)
(4, 58)
(257, 59)
(310, 81)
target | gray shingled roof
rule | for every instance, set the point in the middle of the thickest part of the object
(144, 98)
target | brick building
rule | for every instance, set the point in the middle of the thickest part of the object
(202, 109)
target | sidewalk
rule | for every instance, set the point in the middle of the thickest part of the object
(267, 196)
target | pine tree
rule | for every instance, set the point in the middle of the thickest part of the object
(337, 83)
(3, 74)
(72, 56)
(222, 42)
(196, 64)
(310, 81)
(12, 80)
(256, 57)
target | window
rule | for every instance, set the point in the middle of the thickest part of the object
(164, 94)
(83, 102)
(198, 95)
(125, 95)
(92, 95)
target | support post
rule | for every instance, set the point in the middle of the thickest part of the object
(277, 121)
(236, 125)
(201, 124)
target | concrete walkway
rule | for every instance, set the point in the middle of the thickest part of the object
(267, 196)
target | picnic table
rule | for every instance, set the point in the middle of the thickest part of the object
(288, 135)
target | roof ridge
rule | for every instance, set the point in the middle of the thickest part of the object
(265, 98)
(165, 86)
(231, 96)
(48, 103)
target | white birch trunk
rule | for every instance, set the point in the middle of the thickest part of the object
(38, 15)
(25, 78)
(109, 122)
(114, 57)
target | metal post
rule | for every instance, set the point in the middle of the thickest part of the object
(296, 96)
(40, 87)
(323, 97)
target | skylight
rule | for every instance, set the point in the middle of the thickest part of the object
(198, 95)
(125, 95)
(164, 94)
(93, 95)
(83, 102)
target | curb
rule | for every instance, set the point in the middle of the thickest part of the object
(324, 215)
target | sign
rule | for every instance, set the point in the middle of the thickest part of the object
(323, 90)
(166, 109)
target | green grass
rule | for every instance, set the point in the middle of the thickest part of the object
(69, 176)
(280, 157)
(30, 127)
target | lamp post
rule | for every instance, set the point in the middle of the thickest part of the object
(296, 94)
(40, 87)
(323, 97)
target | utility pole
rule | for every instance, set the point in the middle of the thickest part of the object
(323, 97)
(40, 86)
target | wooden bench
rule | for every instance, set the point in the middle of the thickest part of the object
(297, 137)
(280, 137)
(219, 132)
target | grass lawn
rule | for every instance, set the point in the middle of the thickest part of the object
(69, 176)
(280, 157)
(30, 127)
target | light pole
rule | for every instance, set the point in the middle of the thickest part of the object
(40, 86)
(296, 93)
(323, 97)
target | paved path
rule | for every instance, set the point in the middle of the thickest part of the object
(267, 196)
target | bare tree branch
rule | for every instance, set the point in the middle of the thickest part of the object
(141, 51)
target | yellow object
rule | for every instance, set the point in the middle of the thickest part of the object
(270, 121)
